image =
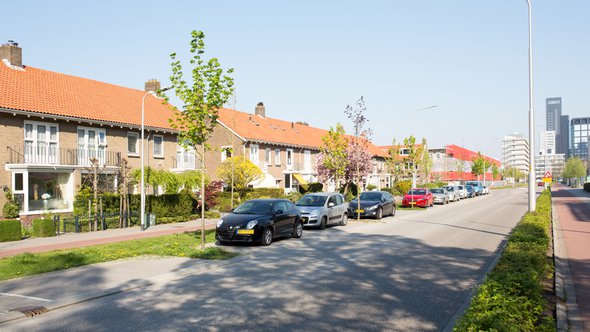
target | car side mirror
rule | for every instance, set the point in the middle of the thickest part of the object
(331, 204)
(232, 210)
(277, 212)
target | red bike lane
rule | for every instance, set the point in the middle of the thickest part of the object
(573, 209)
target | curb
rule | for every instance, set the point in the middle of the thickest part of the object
(567, 311)
(128, 286)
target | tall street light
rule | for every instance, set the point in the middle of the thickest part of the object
(532, 202)
(413, 165)
(142, 216)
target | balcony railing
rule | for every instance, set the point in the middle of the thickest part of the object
(50, 155)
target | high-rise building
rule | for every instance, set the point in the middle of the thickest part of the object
(579, 131)
(552, 163)
(515, 152)
(558, 123)
(547, 142)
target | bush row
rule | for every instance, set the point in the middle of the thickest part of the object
(10, 230)
(511, 296)
(43, 227)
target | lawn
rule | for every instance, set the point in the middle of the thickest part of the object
(181, 245)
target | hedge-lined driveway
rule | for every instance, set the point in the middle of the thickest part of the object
(409, 272)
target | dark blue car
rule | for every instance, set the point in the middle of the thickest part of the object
(470, 191)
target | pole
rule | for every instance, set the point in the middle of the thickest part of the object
(532, 202)
(142, 203)
(203, 196)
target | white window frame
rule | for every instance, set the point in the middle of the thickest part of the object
(185, 156)
(97, 151)
(161, 155)
(45, 155)
(136, 134)
(289, 158)
(278, 157)
(255, 154)
(267, 157)
(224, 150)
(307, 160)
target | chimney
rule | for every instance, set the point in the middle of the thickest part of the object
(12, 53)
(260, 110)
(152, 85)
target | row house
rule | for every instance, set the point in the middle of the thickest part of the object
(54, 127)
(285, 151)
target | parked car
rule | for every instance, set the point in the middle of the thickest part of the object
(322, 209)
(418, 197)
(454, 194)
(462, 191)
(485, 190)
(260, 220)
(441, 195)
(477, 186)
(372, 204)
(470, 191)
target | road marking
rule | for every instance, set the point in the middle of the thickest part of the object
(25, 297)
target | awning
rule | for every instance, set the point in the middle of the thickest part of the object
(299, 178)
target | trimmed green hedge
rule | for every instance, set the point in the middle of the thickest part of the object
(511, 296)
(10, 230)
(43, 227)
(264, 193)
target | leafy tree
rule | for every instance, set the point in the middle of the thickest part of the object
(574, 169)
(210, 89)
(477, 166)
(396, 163)
(495, 171)
(415, 156)
(425, 161)
(332, 161)
(243, 170)
(513, 172)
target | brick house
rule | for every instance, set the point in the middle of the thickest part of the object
(285, 151)
(52, 125)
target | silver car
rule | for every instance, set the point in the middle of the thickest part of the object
(462, 191)
(441, 195)
(322, 209)
(454, 194)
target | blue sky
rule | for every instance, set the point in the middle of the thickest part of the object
(307, 60)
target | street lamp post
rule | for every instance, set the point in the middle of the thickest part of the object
(531, 195)
(142, 208)
(413, 165)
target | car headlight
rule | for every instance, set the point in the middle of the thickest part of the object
(314, 212)
(251, 224)
(219, 223)
(373, 207)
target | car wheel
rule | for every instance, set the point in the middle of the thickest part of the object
(266, 237)
(379, 213)
(323, 223)
(393, 211)
(298, 231)
(344, 220)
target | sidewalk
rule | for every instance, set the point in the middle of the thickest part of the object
(75, 240)
(572, 209)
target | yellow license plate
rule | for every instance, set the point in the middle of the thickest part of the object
(361, 211)
(412, 203)
(245, 231)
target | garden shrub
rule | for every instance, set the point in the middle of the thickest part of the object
(511, 296)
(11, 207)
(389, 190)
(253, 193)
(402, 187)
(293, 196)
(587, 186)
(43, 227)
(10, 230)
(315, 187)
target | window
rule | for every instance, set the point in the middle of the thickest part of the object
(185, 157)
(267, 160)
(254, 154)
(91, 145)
(41, 143)
(289, 157)
(226, 152)
(159, 146)
(133, 143)
(307, 160)
(277, 157)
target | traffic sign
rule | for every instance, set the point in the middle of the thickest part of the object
(547, 175)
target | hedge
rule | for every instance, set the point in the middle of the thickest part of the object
(10, 230)
(264, 193)
(587, 186)
(43, 227)
(511, 296)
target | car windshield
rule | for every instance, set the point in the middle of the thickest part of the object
(449, 189)
(469, 187)
(370, 196)
(437, 191)
(417, 192)
(461, 187)
(472, 183)
(312, 200)
(254, 207)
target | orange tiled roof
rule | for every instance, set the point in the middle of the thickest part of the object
(46, 92)
(257, 128)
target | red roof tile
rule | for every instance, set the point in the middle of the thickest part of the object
(41, 91)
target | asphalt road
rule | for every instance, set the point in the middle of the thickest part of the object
(411, 272)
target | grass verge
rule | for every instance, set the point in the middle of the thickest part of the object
(511, 296)
(181, 245)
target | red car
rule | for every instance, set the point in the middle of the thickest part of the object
(418, 197)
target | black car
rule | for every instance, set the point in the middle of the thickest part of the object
(373, 204)
(260, 220)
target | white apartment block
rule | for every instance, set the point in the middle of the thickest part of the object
(547, 142)
(553, 163)
(515, 152)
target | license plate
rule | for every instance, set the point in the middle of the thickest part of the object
(245, 231)
(361, 211)
(412, 203)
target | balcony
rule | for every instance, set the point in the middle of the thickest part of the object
(51, 155)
